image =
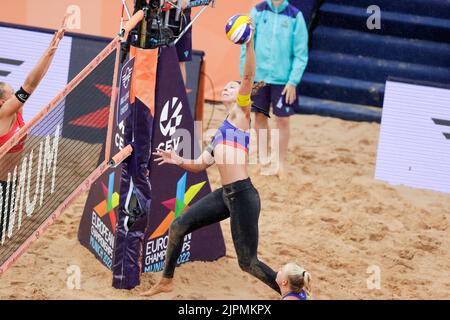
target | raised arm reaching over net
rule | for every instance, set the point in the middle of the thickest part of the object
(10, 103)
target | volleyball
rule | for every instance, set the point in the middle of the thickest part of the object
(238, 29)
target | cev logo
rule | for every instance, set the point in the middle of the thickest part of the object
(169, 124)
(127, 77)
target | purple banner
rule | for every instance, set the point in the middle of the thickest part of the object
(174, 129)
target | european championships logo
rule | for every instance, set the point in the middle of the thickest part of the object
(109, 205)
(177, 205)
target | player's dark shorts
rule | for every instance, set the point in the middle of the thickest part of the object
(271, 94)
(184, 45)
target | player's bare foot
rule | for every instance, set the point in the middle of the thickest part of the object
(164, 286)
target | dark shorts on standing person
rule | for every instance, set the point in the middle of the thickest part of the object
(184, 45)
(271, 94)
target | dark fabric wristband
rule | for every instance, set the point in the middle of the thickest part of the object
(22, 95)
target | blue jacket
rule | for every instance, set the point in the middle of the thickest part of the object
(281, 43)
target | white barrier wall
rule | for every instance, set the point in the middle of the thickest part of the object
(414, 146)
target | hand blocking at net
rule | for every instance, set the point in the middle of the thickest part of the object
(56, 40)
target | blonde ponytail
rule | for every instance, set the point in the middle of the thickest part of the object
(299, 279)
(307, 284)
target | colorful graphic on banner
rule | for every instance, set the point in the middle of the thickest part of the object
(123, 109)
(158, 240)
(104, 223)
(99, 221)
(177, 205)
(112, 202)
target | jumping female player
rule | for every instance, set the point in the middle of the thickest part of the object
(11, 117)
(237, 199)
(294, 282)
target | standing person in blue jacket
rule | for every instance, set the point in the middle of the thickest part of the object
(281, 44)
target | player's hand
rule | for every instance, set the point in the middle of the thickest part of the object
(184, 3)
(290, 93)
(57, 37)
(166, 157)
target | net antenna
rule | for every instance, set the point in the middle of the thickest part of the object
(122, 20)
(125, 10)
(192, 4)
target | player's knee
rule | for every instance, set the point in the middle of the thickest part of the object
(177, 229)
(248, 264)
(282, 122)
(261, 120)
(260, 117)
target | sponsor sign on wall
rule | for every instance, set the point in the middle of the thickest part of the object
(414, 146)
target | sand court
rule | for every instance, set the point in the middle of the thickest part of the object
(329, 215)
